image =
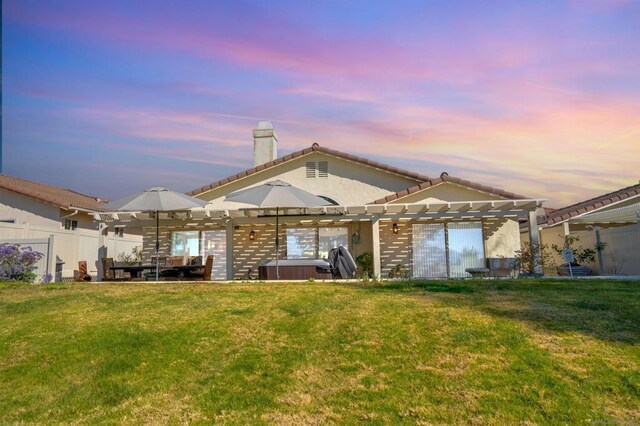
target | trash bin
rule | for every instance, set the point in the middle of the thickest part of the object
(58, 276)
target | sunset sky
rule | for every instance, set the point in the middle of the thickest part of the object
(536, 97)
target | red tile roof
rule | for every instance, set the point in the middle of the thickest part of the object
(64, 198)
(573, 210)
(315, 148)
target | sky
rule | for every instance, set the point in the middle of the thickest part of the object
(540, 98)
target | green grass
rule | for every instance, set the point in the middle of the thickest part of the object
(497, 352)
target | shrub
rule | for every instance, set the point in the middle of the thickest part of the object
(527, 262)
(132, 258)
(580, 254)
(365, 261)
(18, 263)
(398, 271)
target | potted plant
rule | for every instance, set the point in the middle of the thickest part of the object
(580, 255)
(527, 263)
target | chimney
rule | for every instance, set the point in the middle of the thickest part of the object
(265, 143)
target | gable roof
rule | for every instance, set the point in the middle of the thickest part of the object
(60, 197)
(314, 148)
(444, 177)
(576, 209)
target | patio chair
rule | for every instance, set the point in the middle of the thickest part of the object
(83, 272)
(108, 274)
(208, 268)
(175, 261)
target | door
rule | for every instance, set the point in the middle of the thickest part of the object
(215, 243)
(429, 251)
(466, 248)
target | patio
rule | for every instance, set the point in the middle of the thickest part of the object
(432, 240)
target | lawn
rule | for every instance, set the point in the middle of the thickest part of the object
(497, 352)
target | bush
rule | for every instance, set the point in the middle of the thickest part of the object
(399, 271)
(132, 258)
(18, 263)
(365, 261)
(526, 261)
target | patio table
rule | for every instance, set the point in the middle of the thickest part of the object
(136, 270)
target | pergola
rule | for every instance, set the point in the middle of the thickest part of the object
(373, 213)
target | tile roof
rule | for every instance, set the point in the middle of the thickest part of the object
(444, 177)
(573, 210)
(64, 198)
(315, 148)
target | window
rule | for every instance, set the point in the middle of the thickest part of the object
(185, 243)
(329, 199)
(314, 243)
(70, 224)
(323, 169)
(9, 220)
(119, 232)
(329, 238)
(203, 243)
(311, 169)
(301, 243)
(441, 250)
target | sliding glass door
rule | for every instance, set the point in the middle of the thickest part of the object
(466, 248)
(447, 250)
(215, 243)
(429, 251)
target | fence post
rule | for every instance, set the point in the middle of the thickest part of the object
(102, 249)
(51, 257)
(596, 230)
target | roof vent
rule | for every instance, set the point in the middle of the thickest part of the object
(315, 145)
(443, 174)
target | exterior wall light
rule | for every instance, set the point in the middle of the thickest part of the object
(395, 228)
(252, 235)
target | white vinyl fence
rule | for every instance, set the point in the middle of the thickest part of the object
(66, 246)
(621, 256)
(41, 245)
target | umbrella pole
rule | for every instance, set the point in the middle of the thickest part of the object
(157, 245)
(277, 246)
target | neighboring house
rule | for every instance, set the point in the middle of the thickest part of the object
(610, 218)
(433, 227)
(32, 211)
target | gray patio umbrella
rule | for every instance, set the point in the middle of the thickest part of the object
(156, 200)
(277, 194)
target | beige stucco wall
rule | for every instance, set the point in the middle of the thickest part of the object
(555, 235)
(502, 237)
(446, 192)
(28, 210)
(348, 183)
(395, 249)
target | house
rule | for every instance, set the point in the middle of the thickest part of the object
(431, 227)
(609, 221)
(58, 222)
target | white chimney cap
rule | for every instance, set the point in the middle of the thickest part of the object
(264, 124)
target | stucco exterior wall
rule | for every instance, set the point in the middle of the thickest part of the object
(347, 183)
(28, 210)
(502, 237)
(395, 249)
(446, 192)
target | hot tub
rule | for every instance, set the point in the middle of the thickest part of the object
(295, 269)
